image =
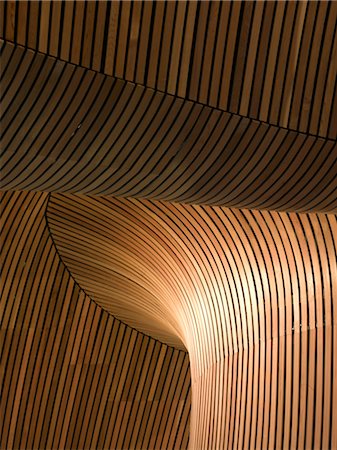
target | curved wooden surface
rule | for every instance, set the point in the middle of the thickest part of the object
(271, 61)
(189, 152)
(252, 295)
(81, 132)
(71, 375)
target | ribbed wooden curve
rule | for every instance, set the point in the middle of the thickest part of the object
(271, 61)
(81, 132)
(251, 294)
(189, 152)
(71, 375)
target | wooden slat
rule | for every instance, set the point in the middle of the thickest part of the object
(279, 265)
(170, 177)
(242, 57)
(59, 350)
(147, 144)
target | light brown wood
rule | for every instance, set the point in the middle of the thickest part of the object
(68, 368)
(269, 288)
(268, 65)
(147, 144)
(169, 183)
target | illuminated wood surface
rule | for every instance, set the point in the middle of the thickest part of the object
(72, 376)
(170, 174)
(251, 294)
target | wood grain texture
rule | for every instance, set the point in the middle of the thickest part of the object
(251, 294)
(173, 164)
(270, 61)
(72, 376)
(82, 132)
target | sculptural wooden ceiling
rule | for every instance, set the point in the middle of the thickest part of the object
(181, 162)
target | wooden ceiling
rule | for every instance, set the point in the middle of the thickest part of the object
(169, 177)
(82, 132)
(271, 61)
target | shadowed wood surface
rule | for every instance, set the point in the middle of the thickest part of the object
(71, 375)
(173, 164)
(77, 131)
(271, 61)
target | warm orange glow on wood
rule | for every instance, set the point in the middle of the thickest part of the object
(169, 233)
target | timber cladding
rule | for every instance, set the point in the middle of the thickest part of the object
(73, 376)
(168, 225)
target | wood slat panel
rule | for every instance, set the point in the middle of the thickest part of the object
(274, 273)
(190, 152)
(70, 372)
(79, 131)
(257, 59)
